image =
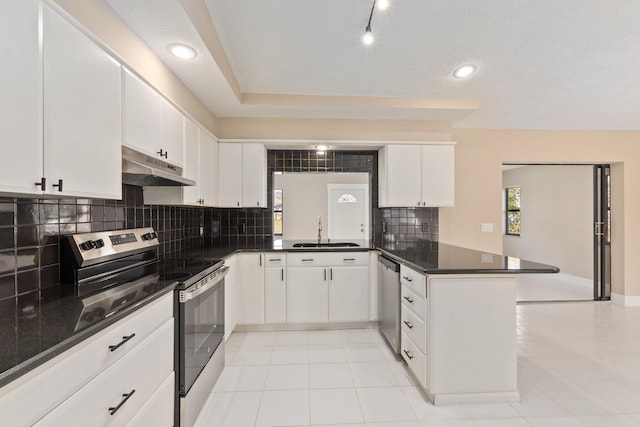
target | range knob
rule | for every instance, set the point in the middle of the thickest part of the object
(92, 244)
(149, 236)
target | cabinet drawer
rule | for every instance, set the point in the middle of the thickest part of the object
(138, 374)
(414, 280)
(414, 302)
(56, 380)
(158, 411)
(416, 360)
(415, 328)
(275, 259)
(297, 259)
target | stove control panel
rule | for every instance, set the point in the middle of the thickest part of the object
(92, 248)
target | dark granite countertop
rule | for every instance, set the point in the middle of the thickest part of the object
(440, 258)
(430, 257)
(34, 329)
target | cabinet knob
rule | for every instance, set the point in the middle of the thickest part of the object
(238, 203)
(58, 185)
(257, 203)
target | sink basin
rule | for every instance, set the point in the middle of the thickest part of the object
(326, 245)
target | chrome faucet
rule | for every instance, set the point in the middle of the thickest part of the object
(319, 228)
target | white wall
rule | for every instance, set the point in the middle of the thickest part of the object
(305, 198)
(556, 216)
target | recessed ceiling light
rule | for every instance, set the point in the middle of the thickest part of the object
(382, 5)
(182, 51)
(464, 71)
(367, 38)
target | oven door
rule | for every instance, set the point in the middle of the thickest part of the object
(200, 328)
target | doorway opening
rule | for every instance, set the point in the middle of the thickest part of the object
(559, 214)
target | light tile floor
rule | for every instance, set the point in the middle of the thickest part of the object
(553, 287)
(578, 365)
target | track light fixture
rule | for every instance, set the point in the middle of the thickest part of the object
(367, 37)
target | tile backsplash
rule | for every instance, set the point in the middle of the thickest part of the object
(30, 229)
(30, 232)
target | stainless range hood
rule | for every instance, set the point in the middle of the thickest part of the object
(142, 170)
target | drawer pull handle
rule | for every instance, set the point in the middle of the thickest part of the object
(407, 278)
(307, 259)
(125, 397)
(275, 259)
(409, 324)
(408, 353)
(409, 299)
(124, 340)
(348, 259)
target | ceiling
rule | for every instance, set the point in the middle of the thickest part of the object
(570, 64)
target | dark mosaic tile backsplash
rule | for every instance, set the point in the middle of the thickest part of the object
(30, 228)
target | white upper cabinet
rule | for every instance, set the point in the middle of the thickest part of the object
(61, 107)
(20, 98)
(254, 175)
(82, 113)
(200, 162)
(151, 124)
(416, 175)
(230, 175)
(242, 175)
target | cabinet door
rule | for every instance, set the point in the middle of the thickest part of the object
(400, 176)
(437, 175)
(229, 175)
(206, 181)
(307, 295)
(141, 114)
(20, 97)
(349, 294)
(249, 292)
(254, 175)
(82, 113)
(170, 132)
(191, 169)
(275, 295)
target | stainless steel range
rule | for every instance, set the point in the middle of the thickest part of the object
(110, 270)
(199, 311)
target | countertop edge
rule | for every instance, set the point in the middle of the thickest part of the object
(40, 359)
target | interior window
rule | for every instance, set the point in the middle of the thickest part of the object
(277, 211)
(347, 198)
(512, 195)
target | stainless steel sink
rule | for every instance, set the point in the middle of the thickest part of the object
(326, 245)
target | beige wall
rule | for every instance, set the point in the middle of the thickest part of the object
(305, 198)
(99, 19)
(557, 216)
(479, 158)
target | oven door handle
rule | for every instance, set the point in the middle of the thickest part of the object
(187, 294)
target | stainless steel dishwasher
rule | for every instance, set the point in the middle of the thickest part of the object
(389, 300)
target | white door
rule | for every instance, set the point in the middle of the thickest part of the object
(275, 295)
(349, 294)
(229, 175)
(348, 211)
(307, 295)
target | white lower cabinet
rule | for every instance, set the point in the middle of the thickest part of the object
(116, 395)
(349, 294)
(158, 411)
(249, 289)
(275, 289)
(307, 295)
(458, 335)
(80, 385)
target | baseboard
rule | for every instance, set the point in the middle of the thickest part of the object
(625, 300)
(471, 398)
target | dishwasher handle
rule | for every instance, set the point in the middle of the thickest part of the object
(389, 263)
